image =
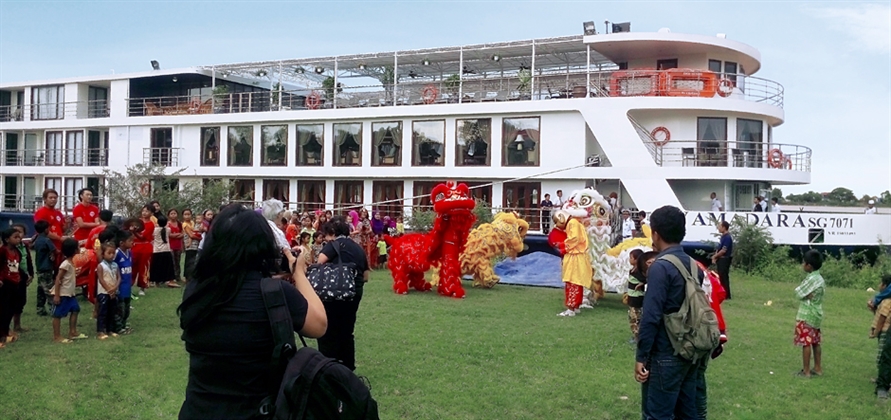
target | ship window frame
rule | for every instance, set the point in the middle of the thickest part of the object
(231, 143)
(308, 186)
(267, 140)
(251, 185)
(379, 189)
(340, 159)
(416, 143)
(205, 139)
(284, 185)
(302, 140)
(344, 189)
(461, 143)
(396, 132)
(506, 143)
(704, 155)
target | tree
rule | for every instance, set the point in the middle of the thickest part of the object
(842, 195)
(128, 192)
(776, 193)
(808, 197)
(885, 197)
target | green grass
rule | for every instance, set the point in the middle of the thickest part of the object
(498, 354)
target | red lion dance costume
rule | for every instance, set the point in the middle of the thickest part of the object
(413, 254)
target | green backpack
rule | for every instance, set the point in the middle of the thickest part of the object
(692, 330)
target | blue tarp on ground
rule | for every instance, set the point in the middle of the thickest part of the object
(535, 269)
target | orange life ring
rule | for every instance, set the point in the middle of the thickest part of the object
(430, 94)
(145, 189)
(788, 162)
(313, 100)
(775, 158)
(725, 87)
(658, 130)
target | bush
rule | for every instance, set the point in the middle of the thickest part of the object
(751, 244)
(421, 219)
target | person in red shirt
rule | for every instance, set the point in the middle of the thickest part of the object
(92, 247)
(142, 247)
(86, 217)
(176, 242)
(54, 217)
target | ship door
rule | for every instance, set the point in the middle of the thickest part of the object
(523, 197)
(10, 192)
(12, 149)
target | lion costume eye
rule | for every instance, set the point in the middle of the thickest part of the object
(586, 201)
(601, 211)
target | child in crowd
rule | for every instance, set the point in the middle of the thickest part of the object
(191, 239)
(381, 252)
(109, 279)
(292, 232)
(305, 245)
(881, 329)
(64, 302)
(400, 227)
(124, 261)
(307, 225)
(46, 265)
(161, 268)
(635, 294)
(10, 277)
(318, 242)
(26, 271)
(810, 314)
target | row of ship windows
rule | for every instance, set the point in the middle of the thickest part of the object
(520, 141)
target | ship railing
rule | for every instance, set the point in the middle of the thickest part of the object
(163, 156)
(54, 111)
(574, 83)
(54, 157)
(734, 154)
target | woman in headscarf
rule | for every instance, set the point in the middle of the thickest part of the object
(354, 219)
(377, 224)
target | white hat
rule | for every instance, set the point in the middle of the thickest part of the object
(872, 201)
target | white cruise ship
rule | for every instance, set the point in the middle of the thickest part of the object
(658, 118)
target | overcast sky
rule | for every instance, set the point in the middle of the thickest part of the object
(834, 59)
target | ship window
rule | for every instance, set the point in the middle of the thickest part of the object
(348, 144)
(74, 155)
(210, 146)
(714, 66)
(428, 143)
(387, 144)
(520, 141)
(48, 102)
(348, 194)
(277, 189)
(473, 140)
(749, 137)
(241, 146)
(275, 145)
(310, 195)
(387, 191)
(671, 63)
(711, 145)
(243, 190)
(54, 148)
(730, 71)
(72, 186)
(623, 65)
(97, 107)
(310, 145)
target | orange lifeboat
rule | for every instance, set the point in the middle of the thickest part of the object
(688, 82)
(637, 82)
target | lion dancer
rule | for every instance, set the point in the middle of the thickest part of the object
(577, 269)
(453, 241)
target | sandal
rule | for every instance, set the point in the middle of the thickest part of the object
(172, 284)
(78, 337)
(12, 339)
(801, 374)
(102, 337)
(814, 373)
(64, 341)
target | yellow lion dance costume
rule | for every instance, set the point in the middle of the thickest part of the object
(504, 236)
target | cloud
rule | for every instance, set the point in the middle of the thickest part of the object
(868, 25)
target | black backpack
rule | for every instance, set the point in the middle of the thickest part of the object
(313, 386)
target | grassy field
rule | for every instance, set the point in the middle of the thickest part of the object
(498, 354)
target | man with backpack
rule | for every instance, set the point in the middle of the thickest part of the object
(678, 329)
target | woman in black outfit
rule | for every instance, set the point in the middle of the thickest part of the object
(225, 325)
(338, 342)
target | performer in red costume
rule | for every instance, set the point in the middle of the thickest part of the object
(557, 236)
(413, 254)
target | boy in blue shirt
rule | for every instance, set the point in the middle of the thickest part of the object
(45, 266)
(124, 259)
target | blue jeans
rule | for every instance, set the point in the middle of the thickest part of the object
(701, 390)
(670, 391)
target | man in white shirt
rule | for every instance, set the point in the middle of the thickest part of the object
(763, 202)
(774, 205)
(627, 225)
(716, 204)
(871, 207)
(558, 203)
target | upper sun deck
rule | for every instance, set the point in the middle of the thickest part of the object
(607, 65)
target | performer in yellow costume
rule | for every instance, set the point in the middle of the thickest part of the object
(577, 269)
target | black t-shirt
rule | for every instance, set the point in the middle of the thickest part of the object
(351, 253)
(230, 354)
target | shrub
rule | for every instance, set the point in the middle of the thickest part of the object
(751, 244)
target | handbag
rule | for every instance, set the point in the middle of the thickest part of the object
(334, 281)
